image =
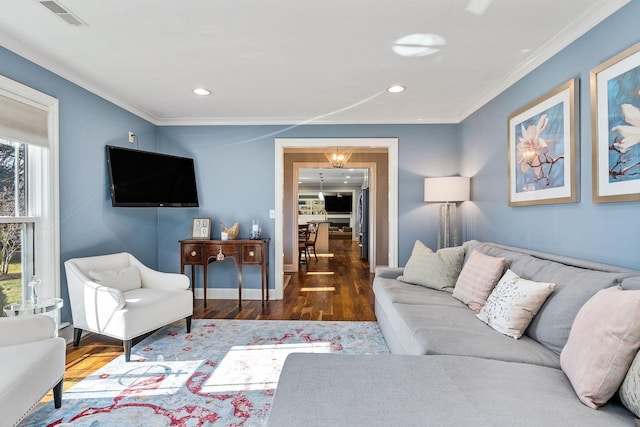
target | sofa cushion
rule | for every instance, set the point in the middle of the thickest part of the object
(125, 280)
(574, 287)
(447, 330)
(438, 270)
(513, 303)
(392, 291)
(477, 279)
(448, 391)
(604, 339)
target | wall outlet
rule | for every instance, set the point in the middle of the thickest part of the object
(272, 214)
(132, 137)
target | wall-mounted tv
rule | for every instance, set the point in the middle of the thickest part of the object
(338, 204)
(146, 179)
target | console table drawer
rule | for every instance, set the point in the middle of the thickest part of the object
(252, 254)
(228, 249)
(192, 254)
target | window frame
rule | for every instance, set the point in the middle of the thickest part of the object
(43, 187)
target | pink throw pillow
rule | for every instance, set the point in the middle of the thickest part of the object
(603, 341)
(477, 279)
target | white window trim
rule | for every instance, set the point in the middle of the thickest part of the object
(47, 240)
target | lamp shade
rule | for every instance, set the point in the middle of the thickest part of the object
(446, 189)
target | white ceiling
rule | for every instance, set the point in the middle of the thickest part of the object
(331, 177)
(295, 61)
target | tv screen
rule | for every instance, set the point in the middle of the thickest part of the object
(145, 179)
(338, 204)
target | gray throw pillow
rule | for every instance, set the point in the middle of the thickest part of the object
(437, 270)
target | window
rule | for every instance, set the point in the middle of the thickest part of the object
(28, 193)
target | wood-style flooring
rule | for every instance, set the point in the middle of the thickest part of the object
(336, 287)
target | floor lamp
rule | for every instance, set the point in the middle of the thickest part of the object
(447, 190)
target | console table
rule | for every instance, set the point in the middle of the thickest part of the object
(244, 252)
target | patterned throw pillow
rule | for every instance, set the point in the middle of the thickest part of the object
(124, 280)
(477, 279)
(513, 303)
(433, 270)
(630, 388)
(603, 341)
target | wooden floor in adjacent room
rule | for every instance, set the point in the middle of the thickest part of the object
(336, 287)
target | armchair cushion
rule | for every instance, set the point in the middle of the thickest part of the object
(123, 280)
(32, 361)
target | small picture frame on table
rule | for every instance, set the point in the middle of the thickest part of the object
(201, 228)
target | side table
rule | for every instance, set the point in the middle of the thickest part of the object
(43, 305)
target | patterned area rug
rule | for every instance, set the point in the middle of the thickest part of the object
(224, 373)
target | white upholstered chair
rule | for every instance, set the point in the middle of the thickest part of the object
(32, 361)
(118, 296)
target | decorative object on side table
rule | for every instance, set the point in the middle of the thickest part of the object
(201, 228)
(615, 121)
(256, 229)
(542, 149)
(231, 232)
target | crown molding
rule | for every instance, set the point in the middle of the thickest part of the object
(576, 29)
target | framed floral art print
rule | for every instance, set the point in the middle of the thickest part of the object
(542, 138)
(615, 110)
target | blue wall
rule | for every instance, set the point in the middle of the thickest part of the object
(602, 232)
(88, 223)
(236, 180)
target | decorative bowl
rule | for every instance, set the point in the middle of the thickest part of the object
(232, 231)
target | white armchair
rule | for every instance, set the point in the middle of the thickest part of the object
(118, 296)
(32, 361)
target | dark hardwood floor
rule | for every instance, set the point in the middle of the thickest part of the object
(336, 287)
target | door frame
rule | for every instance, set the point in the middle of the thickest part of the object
(371, 232)
(391, 144)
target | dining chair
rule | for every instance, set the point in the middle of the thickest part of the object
(303, 236)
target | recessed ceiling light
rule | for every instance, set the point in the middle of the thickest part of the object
(201, 91)
(418, 44)
(396, 89)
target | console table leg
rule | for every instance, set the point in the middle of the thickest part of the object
(204, 281)
(193, 282)
(240, 286)
(262, 284)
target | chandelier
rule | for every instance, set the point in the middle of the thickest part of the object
(338, 158)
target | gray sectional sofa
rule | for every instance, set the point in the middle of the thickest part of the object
(448, 368)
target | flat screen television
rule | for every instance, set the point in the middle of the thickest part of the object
(338, 204)
(146, 179)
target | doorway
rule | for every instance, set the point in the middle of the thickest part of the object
(286, 209)
(332, 196)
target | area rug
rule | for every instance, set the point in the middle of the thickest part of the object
(224, 373)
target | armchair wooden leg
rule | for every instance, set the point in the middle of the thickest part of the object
(77, 334)
(189, 324)
(57, 394)
(127, 350)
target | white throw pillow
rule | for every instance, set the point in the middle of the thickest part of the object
(630, 388)
(513, 303)
(437, 270)
(123, 280)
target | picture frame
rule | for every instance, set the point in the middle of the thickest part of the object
(201, 228)
(542, 159)
(615, 122)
